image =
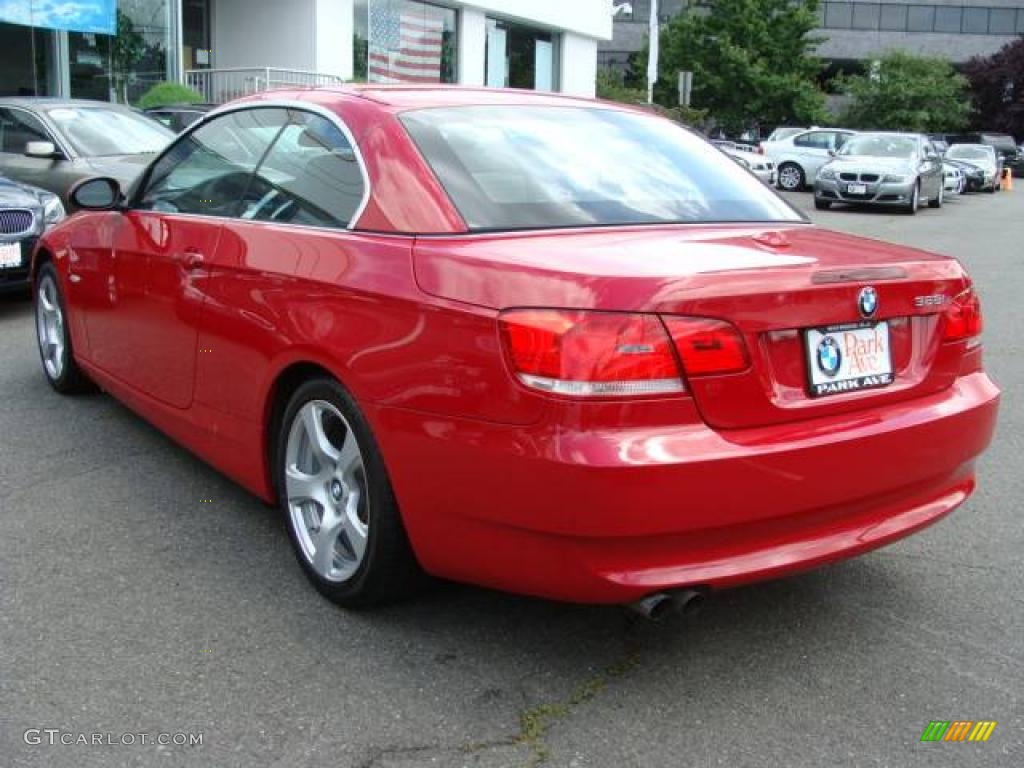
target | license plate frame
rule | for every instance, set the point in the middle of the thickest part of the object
(864, 358)
(10, 255)
(856, 189)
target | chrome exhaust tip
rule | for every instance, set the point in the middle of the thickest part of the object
(659, 605)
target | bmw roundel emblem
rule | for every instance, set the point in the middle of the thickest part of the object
(867, 301)
(829, 356)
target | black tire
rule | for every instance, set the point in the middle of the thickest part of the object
(936, 202)
(822, 205)
(388, 570)
(798, 179)
(69, 379)
(992, 190)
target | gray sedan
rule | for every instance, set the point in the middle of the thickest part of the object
(52, 143)
(901, 170)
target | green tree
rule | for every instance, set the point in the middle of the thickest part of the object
(905, 92)
(752, 61)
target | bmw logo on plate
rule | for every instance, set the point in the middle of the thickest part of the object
(867, 301)
(829, 356)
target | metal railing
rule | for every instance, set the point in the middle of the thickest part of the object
(220, 85)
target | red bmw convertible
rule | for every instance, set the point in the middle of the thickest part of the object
(549, 345)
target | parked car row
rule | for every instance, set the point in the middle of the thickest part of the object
(883, 168)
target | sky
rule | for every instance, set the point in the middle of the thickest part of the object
(77, 15)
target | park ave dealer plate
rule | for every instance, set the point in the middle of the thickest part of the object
(10, 255)
(846, 358)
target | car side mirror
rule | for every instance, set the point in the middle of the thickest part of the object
(96, 194)
(831, 153)
(45, 150)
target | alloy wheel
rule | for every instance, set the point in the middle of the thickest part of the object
(326, 488)
(50, 327)
(790, 178)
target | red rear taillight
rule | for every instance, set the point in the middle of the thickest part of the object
(963, 317)
(707, 346)
(590, 354)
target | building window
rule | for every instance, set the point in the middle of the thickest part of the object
(921, 18)
(894, 17)
(839, 15)
(195, 32)
(947, 19)
(124, 66)
(518, 56)
(28, 61)
(865, 15)
(975, 21)
(1001, 21)
(404, 41)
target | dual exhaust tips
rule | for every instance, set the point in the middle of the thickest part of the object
(660, 605)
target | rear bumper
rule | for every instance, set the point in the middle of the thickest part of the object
(609, 515)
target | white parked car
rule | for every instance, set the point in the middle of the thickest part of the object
(757, 164)
(953, 179)
(799, 157)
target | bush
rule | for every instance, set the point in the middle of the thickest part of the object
(167, 94)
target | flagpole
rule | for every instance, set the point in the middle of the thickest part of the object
(652, 51)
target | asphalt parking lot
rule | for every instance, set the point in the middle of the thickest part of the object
(141, 592)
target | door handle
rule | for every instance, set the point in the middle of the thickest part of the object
(192, 259)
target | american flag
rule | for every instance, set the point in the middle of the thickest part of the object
(404, 47)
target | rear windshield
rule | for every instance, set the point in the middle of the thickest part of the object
(514, 167)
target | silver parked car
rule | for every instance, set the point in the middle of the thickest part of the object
(893, 169)
(757, 164)
(799, 157)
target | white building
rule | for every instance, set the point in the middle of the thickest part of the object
(227, 47)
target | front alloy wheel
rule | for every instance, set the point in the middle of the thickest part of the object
(791, 177)
(52, 335)
(915, 199)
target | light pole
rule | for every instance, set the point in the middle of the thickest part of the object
(652, 48)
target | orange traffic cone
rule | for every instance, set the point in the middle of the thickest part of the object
(1008, 179)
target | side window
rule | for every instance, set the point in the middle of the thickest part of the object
(310, 176)
(210, 171)
(814, 140)
(18, 128)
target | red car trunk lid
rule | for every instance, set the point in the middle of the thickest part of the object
(772, 283)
